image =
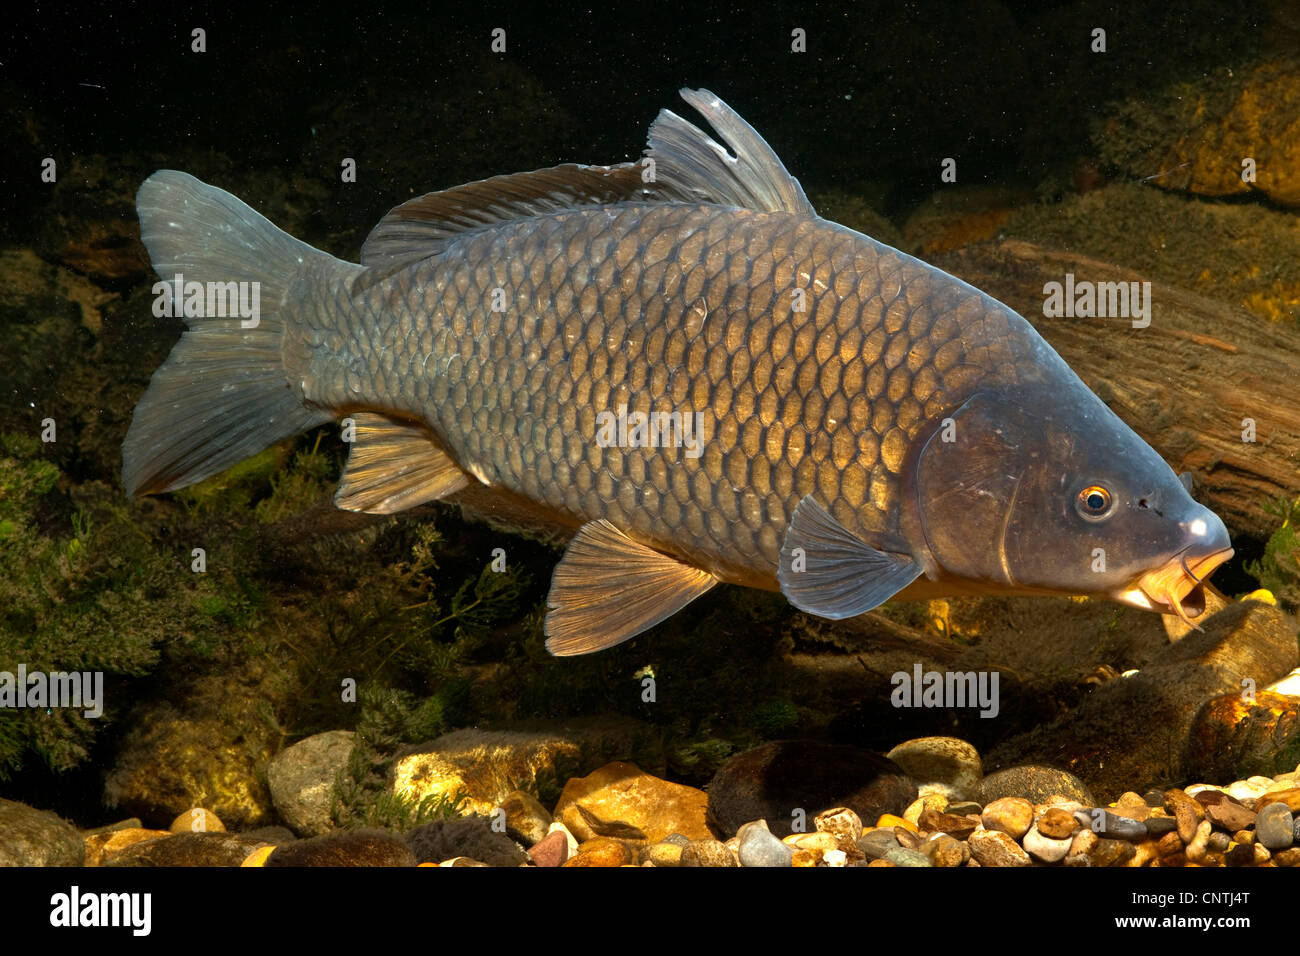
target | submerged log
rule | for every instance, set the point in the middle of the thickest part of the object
(1191, 383)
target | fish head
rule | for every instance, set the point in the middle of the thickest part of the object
(1048, 491)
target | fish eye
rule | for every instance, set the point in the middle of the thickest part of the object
(1093, 502)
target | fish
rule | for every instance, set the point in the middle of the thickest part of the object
(677, 367)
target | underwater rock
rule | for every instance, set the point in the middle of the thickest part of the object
(104, 845)
(484, 766)
(186, 849)
(946, 765)
(759, 847)
(526, 820)
(778, 781)
(87, 225)
(708, 853)
(1196, 138)
(1274, 826)
(1133, 732)
(603, 851)
(1234, 738)
(1032, 783)
(551, 850)
(470, 836)
(995, 848)
(31, 837)
(301, 779)
(364, 847)
(957, 216)
(621, 800)
(1012, 815)
(208, 756)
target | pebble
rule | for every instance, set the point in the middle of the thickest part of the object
(1154, 798)
(1169, 844)
(1010, 815)
(1045, 848)
(1108, 852)
(1186, 811)
(889, 820)
(1248, 788)
(934, 802)
(197, 820)
(905, 857)
(664, 854)
(551, 850)
(1083, 843)
(1289, 857)
(1230, 815)
(947, 766)
(964, 807)
(1220, 841)
(758, 847)
(1133, 806)
(602, 851)
(621, 800)
(1239, 855)
(997, 848)
(876, 843)
(708, 853)
(572, 843)
(1291, 797)
(1159, 826)
(841, 821)
(958, 826)
(1274, 826)
(1197, 847)
(1123, 828)
(946, 851)
(1056, 824)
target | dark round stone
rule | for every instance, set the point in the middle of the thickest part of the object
(1034, 783)
(775, 781)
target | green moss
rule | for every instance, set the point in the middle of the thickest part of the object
(1279, 568)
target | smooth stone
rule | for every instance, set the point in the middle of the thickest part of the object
(835, 858)
(876, 843)
(1123, 828)
(759, 847)
(1159, 826)
(1169, 844)
(1034, 783)
(1187, 812)
(905, 857)
(996, 848)
(664, 854)
(1010, 815)
(526, 819)
(1154, 798)
(31, 837)
(301, 780)
(472, 836)
(1247, 789)
(620, 800)
(1198, 846)
(1218, 841)
(708, 853)
(962, 808)
(197, 820)
(1056, 824)
(950, 762)
(1108, 852)
(550, 851)
(1275, 826)
(949, 823)
(602, 852)
(1082, 844)
(1230, 816)
(103, 846)
(186, 849)
(1045, 848)
(787, 780)
(572, 842)
(1289, 857)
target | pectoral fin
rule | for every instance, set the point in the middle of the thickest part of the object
(608, 588)
(1186, 480)
(827, 570)
(393, 466)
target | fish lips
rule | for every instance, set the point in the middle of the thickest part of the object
(1176, 587)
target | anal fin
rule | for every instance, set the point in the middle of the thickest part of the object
(829, 571)
(608, 588)
(393, 466)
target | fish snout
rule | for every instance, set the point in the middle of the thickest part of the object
(1176, 585)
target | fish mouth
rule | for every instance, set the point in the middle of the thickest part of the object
(1176, 586)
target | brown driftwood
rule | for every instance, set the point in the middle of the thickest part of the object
(1185, 383)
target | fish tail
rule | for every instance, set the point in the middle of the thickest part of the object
(223, 393)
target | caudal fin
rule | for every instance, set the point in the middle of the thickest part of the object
(222, 395)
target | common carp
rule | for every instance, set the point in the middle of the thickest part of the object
(682, 368)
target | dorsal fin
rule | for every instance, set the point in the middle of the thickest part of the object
(422, 227)
(690, 165)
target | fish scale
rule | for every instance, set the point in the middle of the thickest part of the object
(669, 308)
(869, 427)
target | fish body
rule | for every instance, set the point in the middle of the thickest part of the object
(690, 373)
